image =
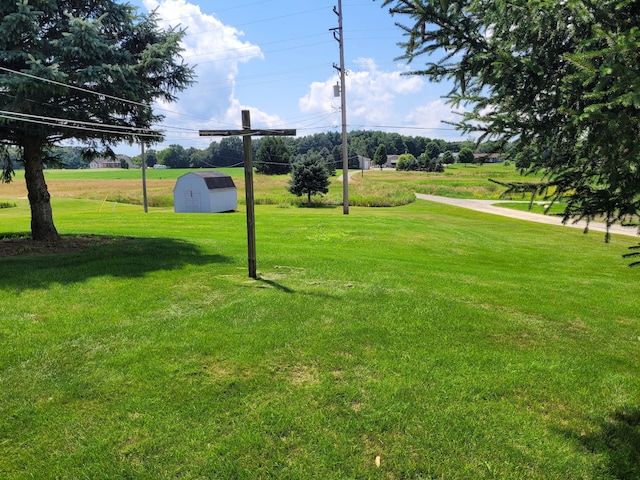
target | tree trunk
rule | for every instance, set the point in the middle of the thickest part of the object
(42, 227)
(309, 198)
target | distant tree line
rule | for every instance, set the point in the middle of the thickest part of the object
(277, 156)
(58, 157)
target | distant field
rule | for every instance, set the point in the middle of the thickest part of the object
(370, 188)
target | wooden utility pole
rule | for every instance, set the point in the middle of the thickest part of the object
(339, 36)
(246, 134)
(144, 179)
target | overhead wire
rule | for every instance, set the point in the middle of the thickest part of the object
(261, 76)
(63, 123)
(99, 94)
(209, 53)
(407, 127)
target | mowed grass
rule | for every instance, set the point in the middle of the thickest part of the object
(441, 342)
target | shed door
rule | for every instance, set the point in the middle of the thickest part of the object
(192, 201)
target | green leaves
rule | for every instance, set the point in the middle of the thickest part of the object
(309, 176)
(82, 70)
(380, 157)
(273, 157)
(104, 49)
(560, 79)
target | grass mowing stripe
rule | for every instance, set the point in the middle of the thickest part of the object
(447, 342)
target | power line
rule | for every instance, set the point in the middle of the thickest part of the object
(63, 121)
(67, 124)
(300, 68)
(73, 87)
(189, 131)
(75, 124)
(286, 40)
(408, 127)
(296, 47)
(99, 94)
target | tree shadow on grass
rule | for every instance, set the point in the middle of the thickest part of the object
(617, 439)
(76, 261)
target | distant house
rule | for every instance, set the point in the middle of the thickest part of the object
(364, 163)
(488, 157)
(205, 192)
(106, 162)
(392, 161)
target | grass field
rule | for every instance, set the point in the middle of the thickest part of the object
(373, 188)
(414, 342)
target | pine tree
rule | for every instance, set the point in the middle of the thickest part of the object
(560, 79)
(380, 157)
(80, 70)
(273, 157)
(309, 176)
(432, 150)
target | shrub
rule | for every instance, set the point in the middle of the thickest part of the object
(448, 158)
(406, 161)
(466, 156)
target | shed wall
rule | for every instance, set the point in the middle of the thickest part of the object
(191, 194)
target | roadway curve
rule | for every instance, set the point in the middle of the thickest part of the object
(490, 206)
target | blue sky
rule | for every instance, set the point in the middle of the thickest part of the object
(275, 58)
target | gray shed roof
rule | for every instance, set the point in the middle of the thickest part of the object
(215, 180)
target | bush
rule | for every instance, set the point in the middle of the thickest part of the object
(407, 161)
(466, 156)
(435, 166)
(448, 158)
(428, 164)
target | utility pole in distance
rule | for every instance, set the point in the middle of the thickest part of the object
(339, 36)
(246, 133)
(144, 178)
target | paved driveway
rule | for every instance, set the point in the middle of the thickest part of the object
(491, 206)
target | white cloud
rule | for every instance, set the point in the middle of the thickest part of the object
(258, 118)
(389, 99)
(216, 50)
(320, 97)
(207, 39)
(432, 115)
(371, 93)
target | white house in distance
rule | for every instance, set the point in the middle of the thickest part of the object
(364, 163)
(392, 161)
(205, 192)
(105, 162)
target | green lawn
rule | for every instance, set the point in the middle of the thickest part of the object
(449, 343)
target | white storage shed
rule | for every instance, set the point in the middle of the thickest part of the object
(207, 192)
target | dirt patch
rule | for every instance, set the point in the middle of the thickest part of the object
(20, 246)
